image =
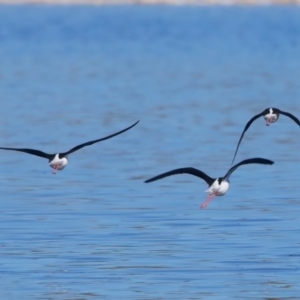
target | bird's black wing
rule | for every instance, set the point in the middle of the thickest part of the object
(96, 141)
(245, 129)
(191, 171)
(249, 161)
(290, 116)
(30, 151)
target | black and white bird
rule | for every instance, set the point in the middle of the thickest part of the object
(217, 186)
(271, 115)
(59, 161)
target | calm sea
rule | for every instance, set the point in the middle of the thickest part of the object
(193, 76)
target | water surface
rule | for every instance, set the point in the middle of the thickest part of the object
(193, 76)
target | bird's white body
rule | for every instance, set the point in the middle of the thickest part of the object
(271, 117)
(218, 189)
(58, 163)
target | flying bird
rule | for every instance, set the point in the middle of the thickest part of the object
(217, 186)
(59, 161)
(271, 115)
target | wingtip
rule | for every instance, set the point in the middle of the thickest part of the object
(268, 161)
(148, 180)
(135, 123)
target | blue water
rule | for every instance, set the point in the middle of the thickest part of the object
(193, 76)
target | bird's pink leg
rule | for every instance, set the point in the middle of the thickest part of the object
(209, 198)
(54, 169)
(268, 122)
